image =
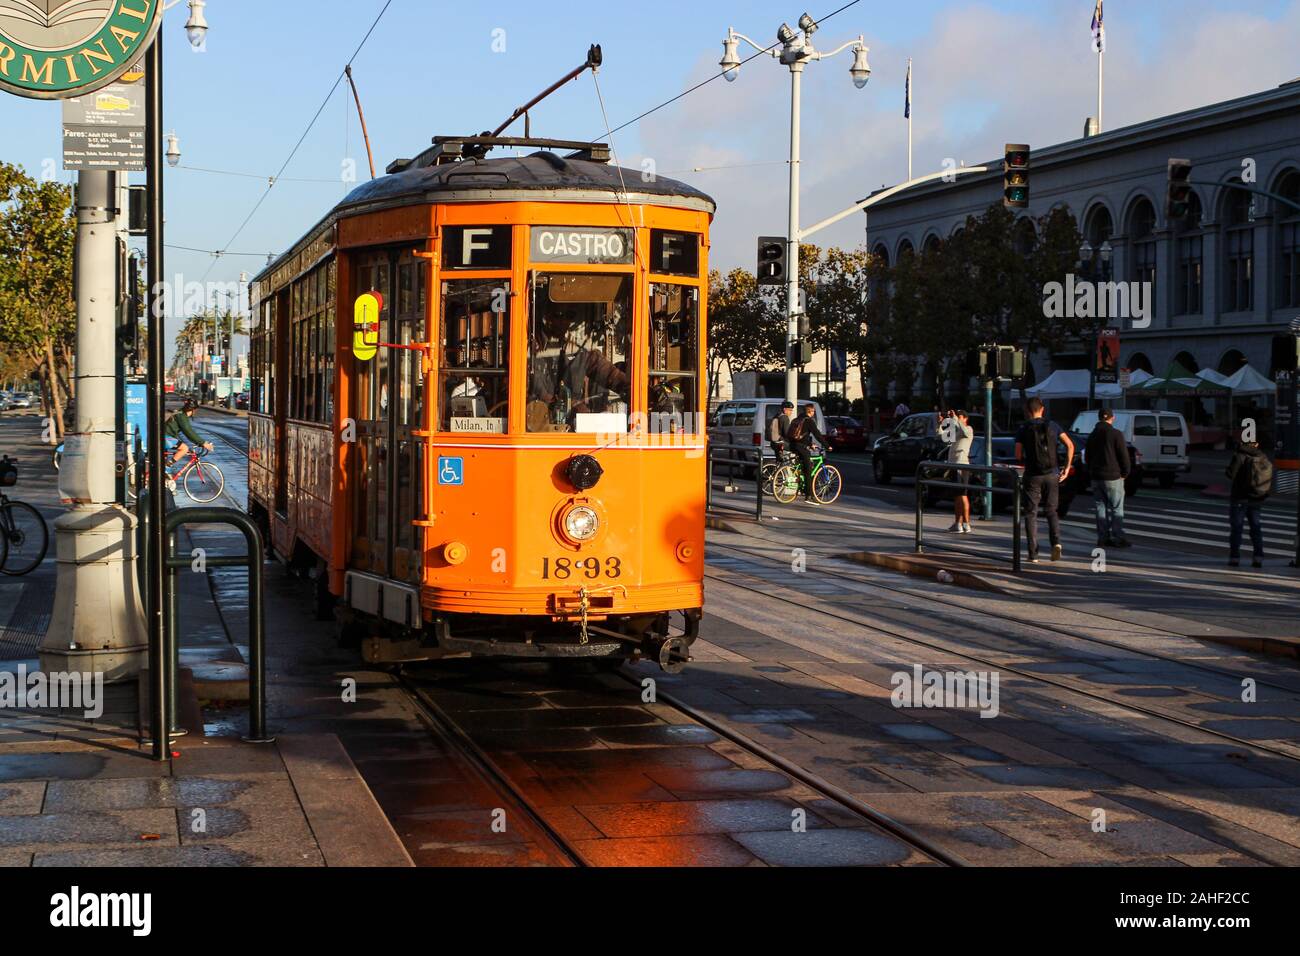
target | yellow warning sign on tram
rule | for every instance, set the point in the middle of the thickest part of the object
(365, 321)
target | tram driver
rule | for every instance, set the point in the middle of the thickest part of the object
(569, 376)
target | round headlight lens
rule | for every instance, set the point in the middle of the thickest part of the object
(581, 523)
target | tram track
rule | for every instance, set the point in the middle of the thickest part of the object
(939, 612)
(770, 591)
(448, 731)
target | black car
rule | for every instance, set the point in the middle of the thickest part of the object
(1004, 453)
(915, 439)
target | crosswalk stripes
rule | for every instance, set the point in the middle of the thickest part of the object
(1206, 526)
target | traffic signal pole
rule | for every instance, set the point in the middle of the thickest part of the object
(793, 237)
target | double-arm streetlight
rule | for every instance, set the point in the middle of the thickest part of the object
(795, 51)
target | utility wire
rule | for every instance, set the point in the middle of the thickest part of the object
(294, 152)
(716, 76)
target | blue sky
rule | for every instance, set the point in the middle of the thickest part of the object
(986, 73)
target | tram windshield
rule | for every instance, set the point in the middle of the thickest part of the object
(580, 327)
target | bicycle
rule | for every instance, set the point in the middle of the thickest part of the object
(202, 480)
(787, 482)
(24, 536)
(770, 469)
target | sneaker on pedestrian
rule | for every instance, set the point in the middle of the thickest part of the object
(1033, 559)
(955, 528)
(1056, 552)
(966, 525)
(171, 484)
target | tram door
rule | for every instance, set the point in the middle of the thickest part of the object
(388, 409)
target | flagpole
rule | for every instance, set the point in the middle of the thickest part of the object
(909, 118)
(1101, 59)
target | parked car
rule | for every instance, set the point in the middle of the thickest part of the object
(745, 422)
(241, 401)
(1081, 477)
(846, 434)
(4, 402)
(20, 400)
(1161, 437)
(1004, 453)
(915, 439)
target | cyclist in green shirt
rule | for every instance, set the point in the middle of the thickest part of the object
(179, 428)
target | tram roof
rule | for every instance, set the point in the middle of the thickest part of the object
(539, 177)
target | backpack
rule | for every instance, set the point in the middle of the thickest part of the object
(798, 429)
(1260, 477)
(1040, 455)
(774, 430)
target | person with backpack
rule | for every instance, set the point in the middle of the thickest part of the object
(801, 433)
(1036, 452)
(1251, 474)
(1109, 466)
(777, 428)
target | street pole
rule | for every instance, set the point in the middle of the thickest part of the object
(792, 255)
(154, 165)
(97, 626)
(988, 447)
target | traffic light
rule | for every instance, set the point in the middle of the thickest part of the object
(1015, 176)
(1178, 195)
(771, 260)
(799, 352)
(1001, 362)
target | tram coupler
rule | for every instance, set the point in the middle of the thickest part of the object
(672, 653)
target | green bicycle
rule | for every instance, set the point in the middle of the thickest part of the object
(787, 483)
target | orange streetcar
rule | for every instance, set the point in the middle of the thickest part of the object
(476, 406)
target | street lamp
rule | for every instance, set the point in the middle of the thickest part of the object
(173, 150)
(795, 51)
(196, 28)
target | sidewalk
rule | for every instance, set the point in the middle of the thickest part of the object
(76, 791)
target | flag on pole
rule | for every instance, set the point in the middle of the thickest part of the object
(907, 105)
(1098, 30)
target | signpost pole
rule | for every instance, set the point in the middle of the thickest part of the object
(157, 315)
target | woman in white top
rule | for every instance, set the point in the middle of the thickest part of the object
(956, 431)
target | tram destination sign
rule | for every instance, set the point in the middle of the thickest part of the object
(55, 49)
(584, 246)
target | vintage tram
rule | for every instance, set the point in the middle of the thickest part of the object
(477, 388)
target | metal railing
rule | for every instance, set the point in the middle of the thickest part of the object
(165, 715)
(740, 456)
(923, 481)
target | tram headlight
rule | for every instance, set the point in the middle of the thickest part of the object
(581, 523)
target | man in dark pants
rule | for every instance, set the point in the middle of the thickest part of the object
(801, 433)
(1108, 465)
(1036, 451)
(1251, 474)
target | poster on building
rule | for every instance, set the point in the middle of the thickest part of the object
(1106, 369)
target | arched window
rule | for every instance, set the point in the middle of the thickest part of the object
(932, 244)
(1288, 243)
(1239, 251)
(881, 252)
(1098, 229)
(1231, 362)
(905, 248)
(1142, 245)
(1139, 360)
(1189, 260)
(1188, 361)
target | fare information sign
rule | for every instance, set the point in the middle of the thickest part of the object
(54, 49)
(105, 130)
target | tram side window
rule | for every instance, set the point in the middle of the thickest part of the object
(579, 335)
(311, 347)
(674, 362)
(474, 367)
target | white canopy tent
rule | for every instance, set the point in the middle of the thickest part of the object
(1073, 383)
(1244, 382)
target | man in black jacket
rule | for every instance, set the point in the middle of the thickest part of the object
(1108, 464)
(800, 434)
(1251, 474)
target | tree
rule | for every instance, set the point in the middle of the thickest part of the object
(37, 310)
(209, 329)
(745, 332)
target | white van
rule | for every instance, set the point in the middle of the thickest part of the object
(744, 421)
(1160, 437)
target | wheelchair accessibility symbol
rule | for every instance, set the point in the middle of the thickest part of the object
(451, 471)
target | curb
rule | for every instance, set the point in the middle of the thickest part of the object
(717, 524)
(229, 413)
(1282, 647)
(921, 566)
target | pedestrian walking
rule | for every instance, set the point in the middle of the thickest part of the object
(955, 428)
(1109, 466)
(1251, 474)
(1036, 444)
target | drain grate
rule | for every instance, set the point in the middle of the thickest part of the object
(20, 636)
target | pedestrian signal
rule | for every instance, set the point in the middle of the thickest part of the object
(771, 260)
